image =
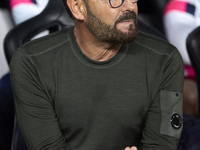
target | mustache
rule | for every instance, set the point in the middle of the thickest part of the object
(126, 16)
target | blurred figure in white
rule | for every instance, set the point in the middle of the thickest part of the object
(25, 9)
(180, 18)
(21, 11)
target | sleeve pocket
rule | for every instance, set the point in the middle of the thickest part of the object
(171, 113)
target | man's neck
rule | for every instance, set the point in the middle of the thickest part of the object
(93, 48)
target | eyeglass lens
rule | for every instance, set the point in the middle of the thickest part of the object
(117, 3)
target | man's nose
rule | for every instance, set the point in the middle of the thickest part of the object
(128, 5)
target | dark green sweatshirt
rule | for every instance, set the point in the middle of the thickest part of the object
(66, 101)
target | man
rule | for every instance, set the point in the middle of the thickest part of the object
(99, 85)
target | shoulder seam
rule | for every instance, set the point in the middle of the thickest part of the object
(48, 49)
(170, 55)
(153, 49)
(22, 50)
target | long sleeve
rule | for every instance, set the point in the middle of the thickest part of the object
(34, 106)
(159, 132)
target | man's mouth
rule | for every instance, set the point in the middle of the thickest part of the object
(126, 22)
(129, 21)
(125, 25)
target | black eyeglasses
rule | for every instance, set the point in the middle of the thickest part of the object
(118, 3)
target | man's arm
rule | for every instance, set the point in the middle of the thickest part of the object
(34, 106)
(163, 127)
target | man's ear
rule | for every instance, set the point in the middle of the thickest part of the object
(77, 8)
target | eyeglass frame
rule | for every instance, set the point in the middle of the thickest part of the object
(120, 4)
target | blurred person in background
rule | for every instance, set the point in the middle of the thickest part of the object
(180, 18)
(21, 10)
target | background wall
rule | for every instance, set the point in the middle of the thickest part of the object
(5, 25)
